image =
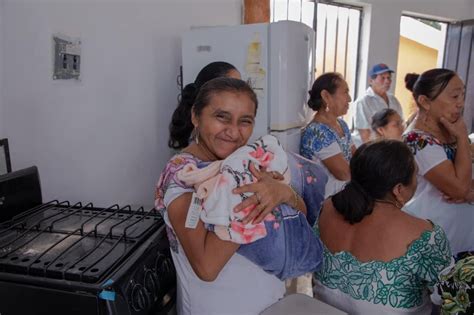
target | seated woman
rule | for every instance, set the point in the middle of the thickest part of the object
(377, 258)
(387, 124)
(438, 139)
(327, 139)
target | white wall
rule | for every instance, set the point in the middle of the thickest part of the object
(103, 139)
(381, 29)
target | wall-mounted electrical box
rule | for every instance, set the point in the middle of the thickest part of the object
(67, 57)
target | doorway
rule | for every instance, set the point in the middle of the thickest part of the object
(421, 48)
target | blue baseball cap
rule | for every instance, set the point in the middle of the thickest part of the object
(379, 69)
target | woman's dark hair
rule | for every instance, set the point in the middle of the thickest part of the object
(376, 168)
(222, 84)
(329, 82)
(410, 79)
(382, 117)
(181, 126)
(432, 83)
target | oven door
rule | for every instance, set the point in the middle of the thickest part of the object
(20, 299)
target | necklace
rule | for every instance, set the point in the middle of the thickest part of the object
(396, 204)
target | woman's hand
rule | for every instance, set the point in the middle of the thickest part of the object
(268, 192)
(457, 129)
(468, 199)
(452, 200)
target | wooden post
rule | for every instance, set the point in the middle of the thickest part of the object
(256, 11)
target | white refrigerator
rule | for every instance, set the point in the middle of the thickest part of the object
(276, 58)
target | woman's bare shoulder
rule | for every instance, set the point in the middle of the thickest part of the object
(411, 227)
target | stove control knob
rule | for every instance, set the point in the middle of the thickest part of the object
(160, 260)
(151, 283)
(140, 300)
(166, 265)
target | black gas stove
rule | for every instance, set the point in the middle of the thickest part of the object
(63, 258)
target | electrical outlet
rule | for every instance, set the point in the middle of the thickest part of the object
(67, 57)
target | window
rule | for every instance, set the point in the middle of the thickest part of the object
(337, 34)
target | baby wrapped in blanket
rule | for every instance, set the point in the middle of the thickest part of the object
(284, 243)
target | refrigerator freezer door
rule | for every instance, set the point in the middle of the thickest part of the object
(291, 73)
(245, 47)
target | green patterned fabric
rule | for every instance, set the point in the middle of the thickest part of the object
(399, 283)
(456, 288)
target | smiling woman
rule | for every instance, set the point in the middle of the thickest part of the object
(440, 144)
(209, 272)
(180, 125)
(211, 123)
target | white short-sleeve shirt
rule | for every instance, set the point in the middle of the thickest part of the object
(370, 103)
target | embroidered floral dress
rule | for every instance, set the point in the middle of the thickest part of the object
(320, 142)
(400, 286)
(428, 202)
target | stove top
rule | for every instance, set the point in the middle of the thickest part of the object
(75, 242)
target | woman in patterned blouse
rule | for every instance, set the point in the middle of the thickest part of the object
(327, 139)
(440, 144)
(377, 258)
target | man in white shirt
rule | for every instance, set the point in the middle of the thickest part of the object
(375, 99)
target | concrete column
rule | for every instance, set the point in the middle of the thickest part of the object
(256, 11)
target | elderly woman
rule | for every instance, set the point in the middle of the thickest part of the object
(385, 261)
(440, 144)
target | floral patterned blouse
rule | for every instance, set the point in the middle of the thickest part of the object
(317, 137)
(401, 283)
(417, 140)
(320, 142)
(456, 288)
(172, 187)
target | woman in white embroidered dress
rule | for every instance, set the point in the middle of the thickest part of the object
(440, 144)
(377, 258)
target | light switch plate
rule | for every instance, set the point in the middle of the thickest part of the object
(67, 57)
